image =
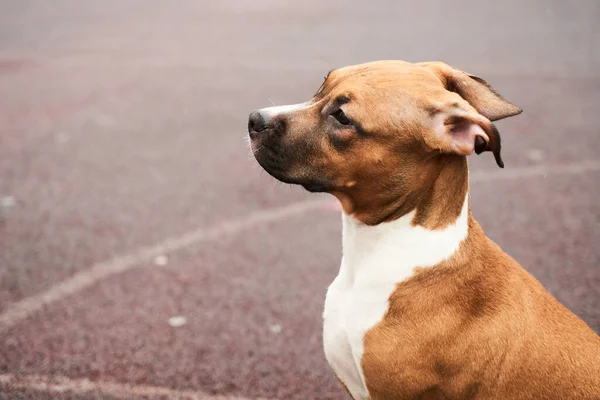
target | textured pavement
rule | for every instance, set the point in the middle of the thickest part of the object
(128, 195)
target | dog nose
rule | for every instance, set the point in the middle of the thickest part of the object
(257, 122)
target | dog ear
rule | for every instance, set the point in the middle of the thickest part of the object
(474, 90)
(464, 132)
(485, 100)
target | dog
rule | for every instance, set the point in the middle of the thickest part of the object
(425, 306)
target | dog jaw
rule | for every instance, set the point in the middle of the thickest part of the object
(371, 135)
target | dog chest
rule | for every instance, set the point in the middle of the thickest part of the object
(375, 260)
(349, 313)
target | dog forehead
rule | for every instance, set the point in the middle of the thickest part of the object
(386, 75)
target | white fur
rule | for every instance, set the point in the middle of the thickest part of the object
(375, 259)
(277, 110)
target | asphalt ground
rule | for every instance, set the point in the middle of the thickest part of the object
(144, 254)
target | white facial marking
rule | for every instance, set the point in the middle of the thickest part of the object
(278, 110)
(375, 259)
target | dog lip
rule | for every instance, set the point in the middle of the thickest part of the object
(255, 134)
(261, 146)
(266, 151)
(268, 158)
(279, 172)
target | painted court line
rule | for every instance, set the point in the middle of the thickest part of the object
(103, 270)
(59, 384)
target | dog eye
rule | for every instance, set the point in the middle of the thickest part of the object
(341, 117)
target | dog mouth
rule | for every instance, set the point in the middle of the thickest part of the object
(270, 159)
(274, 161)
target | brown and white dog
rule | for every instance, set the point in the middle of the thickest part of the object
(425, 306)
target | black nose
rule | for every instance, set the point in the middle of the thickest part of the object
(257, 122)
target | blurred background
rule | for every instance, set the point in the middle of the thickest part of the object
(143, 254)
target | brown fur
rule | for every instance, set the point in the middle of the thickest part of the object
(393, 105)
(476, 326)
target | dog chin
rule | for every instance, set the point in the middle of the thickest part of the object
(311, 185)
(282, 173)
(316, 187)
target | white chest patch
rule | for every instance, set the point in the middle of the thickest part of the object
(375, 259)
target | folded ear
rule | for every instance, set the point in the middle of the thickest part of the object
(464, 132)
(474, 90)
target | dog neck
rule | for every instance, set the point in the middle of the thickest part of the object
(430, 230)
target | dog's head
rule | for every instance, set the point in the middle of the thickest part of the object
(372, 130)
